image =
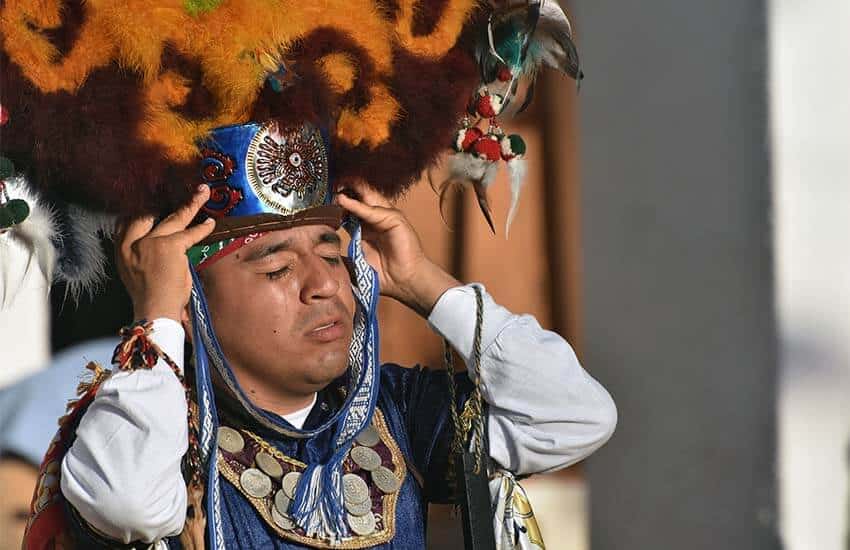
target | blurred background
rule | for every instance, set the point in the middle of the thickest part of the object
(684, 225)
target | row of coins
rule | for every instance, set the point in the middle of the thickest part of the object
(257, 482)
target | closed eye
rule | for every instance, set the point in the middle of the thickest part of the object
(333, 260)
(273, 275)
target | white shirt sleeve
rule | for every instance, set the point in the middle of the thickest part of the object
(545, 411)
(122, 473)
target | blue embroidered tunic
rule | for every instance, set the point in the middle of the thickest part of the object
(414, 403)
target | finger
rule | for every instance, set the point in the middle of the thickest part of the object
(377, 216)
(368, 195)
(195, 234)
(135, 230)
(183, 216)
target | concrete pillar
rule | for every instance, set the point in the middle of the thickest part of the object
(679, 310)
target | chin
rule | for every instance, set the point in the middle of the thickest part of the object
(330, 367)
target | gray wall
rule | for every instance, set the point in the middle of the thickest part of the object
(678, 282)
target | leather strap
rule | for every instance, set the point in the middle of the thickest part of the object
(475, 499)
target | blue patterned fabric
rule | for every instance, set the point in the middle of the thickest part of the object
(415, 405)
(263, 169)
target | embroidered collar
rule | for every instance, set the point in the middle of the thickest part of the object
(373, 473)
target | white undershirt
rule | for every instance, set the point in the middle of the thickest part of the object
(298, 417)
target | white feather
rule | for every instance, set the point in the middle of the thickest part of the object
(27, 243)
(551, 14)
(84, 271)
(469, 168)
(552, 44)
(518, 169)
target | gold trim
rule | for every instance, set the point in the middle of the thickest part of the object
(263, 505)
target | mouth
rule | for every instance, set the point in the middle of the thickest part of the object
(328, 330)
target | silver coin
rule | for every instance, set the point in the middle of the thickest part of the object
(290, 481)
(386, 481)
(230, 440)
(354, 489)
(269, 464)
(282, 502)
(256, 483)
(282, 520)
(368, 437)
(366, 458)
(362, 525)
(360, 509)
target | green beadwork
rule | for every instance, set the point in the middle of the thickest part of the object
(7, 168)
(13, 212)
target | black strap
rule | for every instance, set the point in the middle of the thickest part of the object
(475, 499)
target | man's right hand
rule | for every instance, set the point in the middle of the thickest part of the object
(152, 260)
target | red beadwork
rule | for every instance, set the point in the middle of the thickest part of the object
(487, 148)
(471, 135)
(504, 74)
(484, 107)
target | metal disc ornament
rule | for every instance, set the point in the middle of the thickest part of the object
(359, 509)
(366, 458)
(269, 464)
(255, 483)
(369, 437)
(354, 489)
(282, 502)
(281, 520)
(386, 481)
(290, 481)
(230, 440)
(362, 525)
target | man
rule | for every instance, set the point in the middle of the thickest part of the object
(280, 428)
(288, 341)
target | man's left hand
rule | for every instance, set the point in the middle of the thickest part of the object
(393, 248)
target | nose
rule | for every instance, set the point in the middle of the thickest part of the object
(319, 280)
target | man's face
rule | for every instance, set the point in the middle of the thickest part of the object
(283, 309)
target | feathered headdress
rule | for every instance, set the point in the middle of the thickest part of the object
(107, 101)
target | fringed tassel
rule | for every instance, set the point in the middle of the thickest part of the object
(318, 505)
(136, 350)
(93, 377)
(90, 381)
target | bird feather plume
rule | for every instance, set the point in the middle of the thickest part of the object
(27, 244)
(517, 169)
